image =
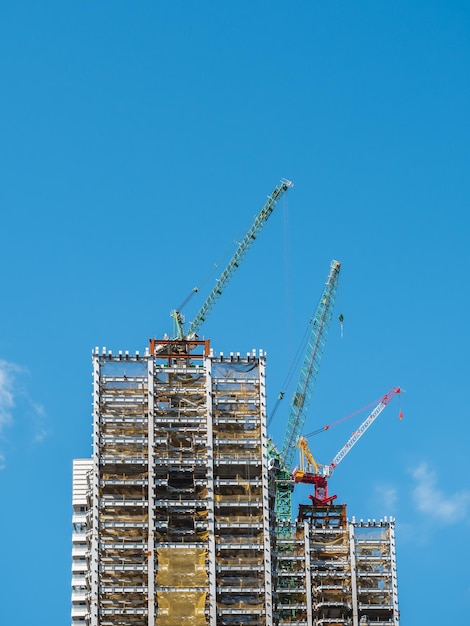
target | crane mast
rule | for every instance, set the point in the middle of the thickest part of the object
(319, 327)
(233, 264)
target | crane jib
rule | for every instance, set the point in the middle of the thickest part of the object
(239, 254)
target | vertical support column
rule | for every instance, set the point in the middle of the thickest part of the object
(94, 543)
(151, 493)
(393, 563)
(268, 589)
(352, 556)
(210, 496)
(308, 574)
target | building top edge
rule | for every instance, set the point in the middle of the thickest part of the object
(107, 354)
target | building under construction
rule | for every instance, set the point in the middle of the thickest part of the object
(175, 514)
(177, 519)
(331, 571)
(183, 514)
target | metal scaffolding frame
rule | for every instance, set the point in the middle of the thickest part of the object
(179, 506)
(335, 572)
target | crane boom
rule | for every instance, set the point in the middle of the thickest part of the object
(320, 325)
(240, 252)
(364, 426)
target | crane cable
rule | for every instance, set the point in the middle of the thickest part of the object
(339, 298)
(293, 368)
(287, 279)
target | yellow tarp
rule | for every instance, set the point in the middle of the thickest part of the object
(181, 568)
(184, 567)
(181, 609)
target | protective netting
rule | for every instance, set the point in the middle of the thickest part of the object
(181, 569)
(181, 608)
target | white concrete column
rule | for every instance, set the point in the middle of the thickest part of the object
(352, 556)
(393, 564)
(151, 493)
(94, 539)
(210, 495)
(308, 574)
(268, 585)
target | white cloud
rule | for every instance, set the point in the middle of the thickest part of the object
(7, 395)
(388, 496)
(40, 436)
(443, 507)
(14, 396)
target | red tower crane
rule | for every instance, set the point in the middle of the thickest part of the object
(313, 473)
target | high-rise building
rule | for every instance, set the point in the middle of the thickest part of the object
(174, 522)
(174, 515)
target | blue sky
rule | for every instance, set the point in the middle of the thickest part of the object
(138, 140)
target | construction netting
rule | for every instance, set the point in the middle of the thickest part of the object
(183, 572)
(181, 608)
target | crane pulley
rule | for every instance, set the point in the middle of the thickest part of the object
(311, 472)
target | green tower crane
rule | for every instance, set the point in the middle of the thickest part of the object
(281, 461)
